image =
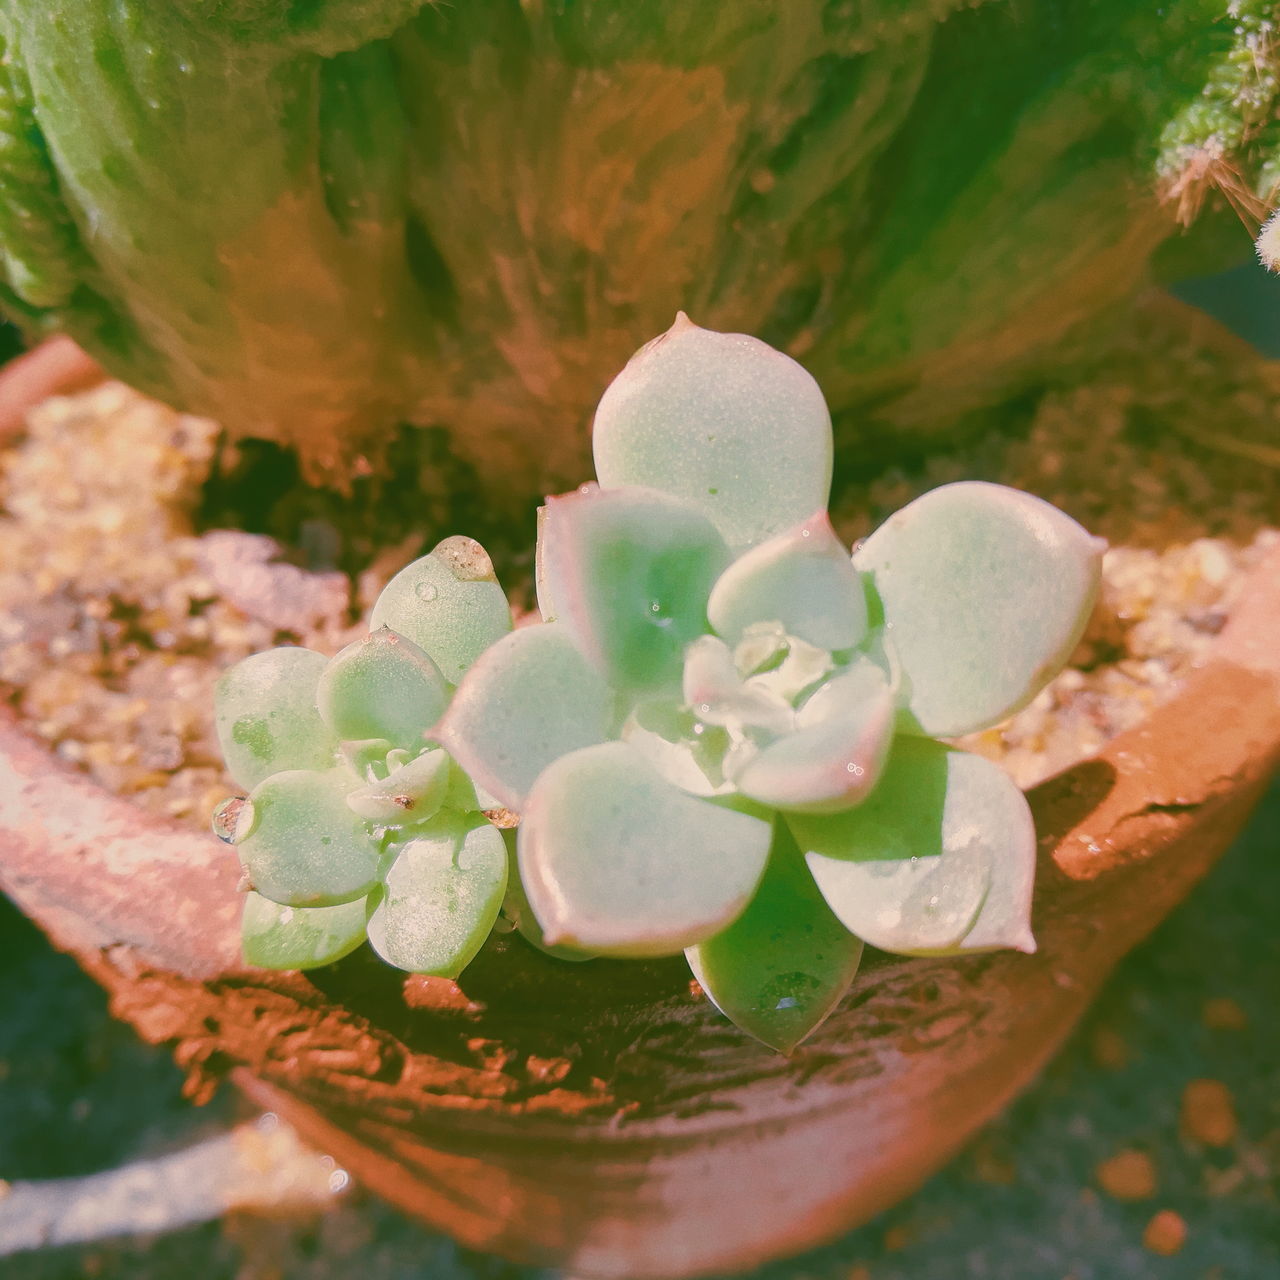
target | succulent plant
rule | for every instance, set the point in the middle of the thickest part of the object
(722, 737)
(354, 823)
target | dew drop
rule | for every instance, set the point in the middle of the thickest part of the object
(233, 819)
(338, 1180)
(804, 533)
(426, 591)
(855, 769)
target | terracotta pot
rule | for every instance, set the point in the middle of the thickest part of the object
(604, 1116)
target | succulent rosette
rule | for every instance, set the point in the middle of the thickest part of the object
(354, 823)
(722, 737)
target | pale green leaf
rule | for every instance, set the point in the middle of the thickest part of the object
(412, 792)
(721, 421)
(365, 757)
(686, 752)
(448, 603)
(266, 718)
(529, 700)
(985, 591)
(616, 860)
(835, 755)
(278, 937)
(630, 571)
(939, 858)
(718, 695)
(801, 579)
(782, 966)
(441, 896)
(383, 686)
(516, 908)
(307, 848)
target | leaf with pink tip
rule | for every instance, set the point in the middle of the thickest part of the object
(616, 860)
(836, 754)
(516, 908)
(939, 858)
(718, 695)
(441, 896)
(782, 966)
(721, 421)
(802, 579)
(448, 603)
(985, 591)
(527, 701)
(630, 571)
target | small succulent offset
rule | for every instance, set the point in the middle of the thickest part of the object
(355, 823)
(722, 737)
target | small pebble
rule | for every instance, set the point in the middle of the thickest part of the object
(1165, 1234)
(1128, 1175)
(1224, 1014)
(1208, 1113)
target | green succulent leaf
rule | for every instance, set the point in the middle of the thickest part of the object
(616, 860)
(836, 754)
(783, 965)
(273, 936)
(721, 421)
(802, 579)
(939, 858)
(686, 753)
(441, 896)
(307, 848)
(985, 592)
(630, 571)
(516, 908)
(266, 718)
(410, 793)
(718, 695)
(383, 686)
(448, 603)
(365, 757)
(527, 701)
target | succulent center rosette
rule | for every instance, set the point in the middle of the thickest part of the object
(354, 822)
(722, 737)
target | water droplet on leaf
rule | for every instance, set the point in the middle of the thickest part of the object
(233, 819)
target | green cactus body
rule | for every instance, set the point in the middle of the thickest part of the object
(316, 221)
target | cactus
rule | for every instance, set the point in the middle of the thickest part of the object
(316, 221)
